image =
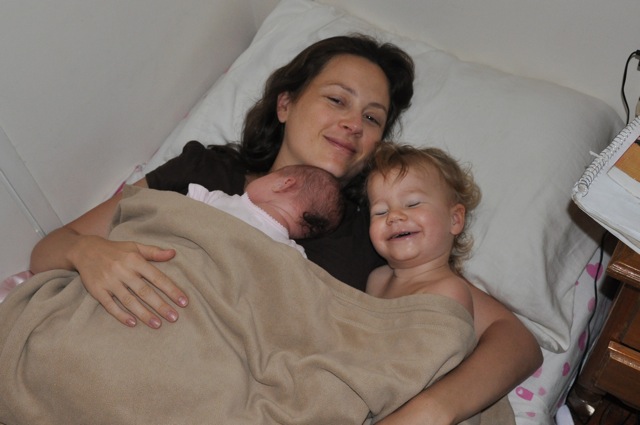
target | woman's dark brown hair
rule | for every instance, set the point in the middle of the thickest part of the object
(263, 133)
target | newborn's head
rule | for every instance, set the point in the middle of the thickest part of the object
(306, 200)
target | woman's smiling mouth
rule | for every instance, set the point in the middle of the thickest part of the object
(341, 145)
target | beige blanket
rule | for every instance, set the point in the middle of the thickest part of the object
(268, 336)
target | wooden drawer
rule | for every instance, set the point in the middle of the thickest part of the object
(620, 375)
(631, 335)
(614, 364)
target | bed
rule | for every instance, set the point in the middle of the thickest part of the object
(528, 141)
(549, 266)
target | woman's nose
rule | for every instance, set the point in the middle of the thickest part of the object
(352, 122)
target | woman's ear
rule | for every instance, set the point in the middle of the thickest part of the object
(284, 100)
(458, 212)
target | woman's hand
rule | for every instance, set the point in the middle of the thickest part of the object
(119, 276)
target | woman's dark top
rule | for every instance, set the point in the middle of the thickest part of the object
(347, 253)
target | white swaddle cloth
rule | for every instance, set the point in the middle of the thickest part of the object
(240, 206)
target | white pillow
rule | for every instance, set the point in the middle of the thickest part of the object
(528, 141)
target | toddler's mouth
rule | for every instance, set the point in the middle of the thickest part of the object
(401, 235)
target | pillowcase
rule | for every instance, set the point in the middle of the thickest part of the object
(527, 141)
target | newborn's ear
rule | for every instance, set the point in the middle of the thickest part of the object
(284, 184)
(457, 219)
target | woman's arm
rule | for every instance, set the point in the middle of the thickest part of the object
(506, 354)
(111, 270)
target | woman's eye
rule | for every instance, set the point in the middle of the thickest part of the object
(335, 100)
(373, 119)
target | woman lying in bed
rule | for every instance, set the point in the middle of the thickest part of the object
(328, 107)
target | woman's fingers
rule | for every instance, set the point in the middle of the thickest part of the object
(107, 301)
(122, 278)
(136, 295)
(137, 291)
(129, 298)
(159, 279)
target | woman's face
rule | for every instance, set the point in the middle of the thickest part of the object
(337, 120)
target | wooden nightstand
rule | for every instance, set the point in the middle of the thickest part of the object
(613, 367)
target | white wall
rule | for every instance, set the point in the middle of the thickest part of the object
(89, 88)
(581, 44)
(24, 212)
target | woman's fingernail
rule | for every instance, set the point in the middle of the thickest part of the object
(182, 301)
(172, 316)
(155, 323)
(131, 322)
